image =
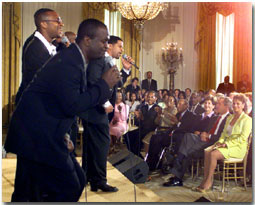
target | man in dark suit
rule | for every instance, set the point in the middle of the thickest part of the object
(194, 143)
(244, 85)
(149, 84)
(195, 106)
(146, 123)
(183, 124)
(47, 109)
(96, 124)
(38, 48)
(225, 87)
(133, 87)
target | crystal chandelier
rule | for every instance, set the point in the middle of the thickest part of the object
(140, 11)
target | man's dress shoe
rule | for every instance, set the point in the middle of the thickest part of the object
(174, 181)
(104, 187)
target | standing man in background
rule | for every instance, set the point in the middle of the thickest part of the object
(38, 48)
(226, 87)
(96, 123)
(149, 83)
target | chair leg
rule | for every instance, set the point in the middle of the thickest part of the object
(197, 168)
(223, 179)
(192, 169)
(244, 177)
(235, 174)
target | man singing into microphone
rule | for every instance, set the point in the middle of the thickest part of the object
(96, 138)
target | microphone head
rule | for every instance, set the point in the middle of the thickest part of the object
(64, 40)
(124, 56)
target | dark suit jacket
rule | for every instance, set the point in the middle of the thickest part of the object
(48, 107)
(145, 85)
(204, 125)
(34, 55)
(148, 123)
(95, 70)
(187, 123)
(215, 138)
(131, 89)
(124, 76)
(199, 109)
(225, 89)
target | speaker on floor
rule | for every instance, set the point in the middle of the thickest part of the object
(132, 166)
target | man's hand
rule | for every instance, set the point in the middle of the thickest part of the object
(204, 136)
(197, 133)
(127, 63)
(158, 110)
(112, 76)
(108, 109)
(69, 142)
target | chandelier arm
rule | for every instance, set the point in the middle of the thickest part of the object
(146, 10)
(131, 8)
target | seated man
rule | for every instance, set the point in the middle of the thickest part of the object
(192, 143)
(146, 124)
(195, 106)
(183, 121)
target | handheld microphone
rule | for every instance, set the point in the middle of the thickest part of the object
(132, 63)
(64, 40)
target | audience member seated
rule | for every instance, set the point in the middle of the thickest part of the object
(164, 101)
(207, 133)
(165, 119)
(118, 125)
(244, 85)
(249, 103)
(232, 143)
(133, 102)
(183, 123)
(146, 124)
(133, 87)
(176, 94)
(188, 93)
(195, 106)
(226, 87)
(181, 95)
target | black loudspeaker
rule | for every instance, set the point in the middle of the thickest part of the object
(132, 166)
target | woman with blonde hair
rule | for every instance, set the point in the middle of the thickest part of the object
(232, 143)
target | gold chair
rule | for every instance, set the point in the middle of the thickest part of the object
(231, 164)
(80, 132)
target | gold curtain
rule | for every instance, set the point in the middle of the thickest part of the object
(132, 40)
(129, 34)
(205, 40)
(11, 43)
(93, 10)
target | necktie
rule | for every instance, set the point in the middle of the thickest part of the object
(212, 131)
(149, 84)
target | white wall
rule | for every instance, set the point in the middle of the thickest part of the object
(167, 28)
(71, 14)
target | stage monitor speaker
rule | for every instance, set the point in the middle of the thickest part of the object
(132, 166)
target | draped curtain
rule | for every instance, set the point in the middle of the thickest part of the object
(130, 35)
(11, 44)
(205, 40)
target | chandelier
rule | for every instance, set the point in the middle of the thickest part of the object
(140, 11)
(173, 57)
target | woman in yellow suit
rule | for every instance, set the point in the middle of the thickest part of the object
(232, 143)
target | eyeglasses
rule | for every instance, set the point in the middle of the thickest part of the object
(58, 20)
